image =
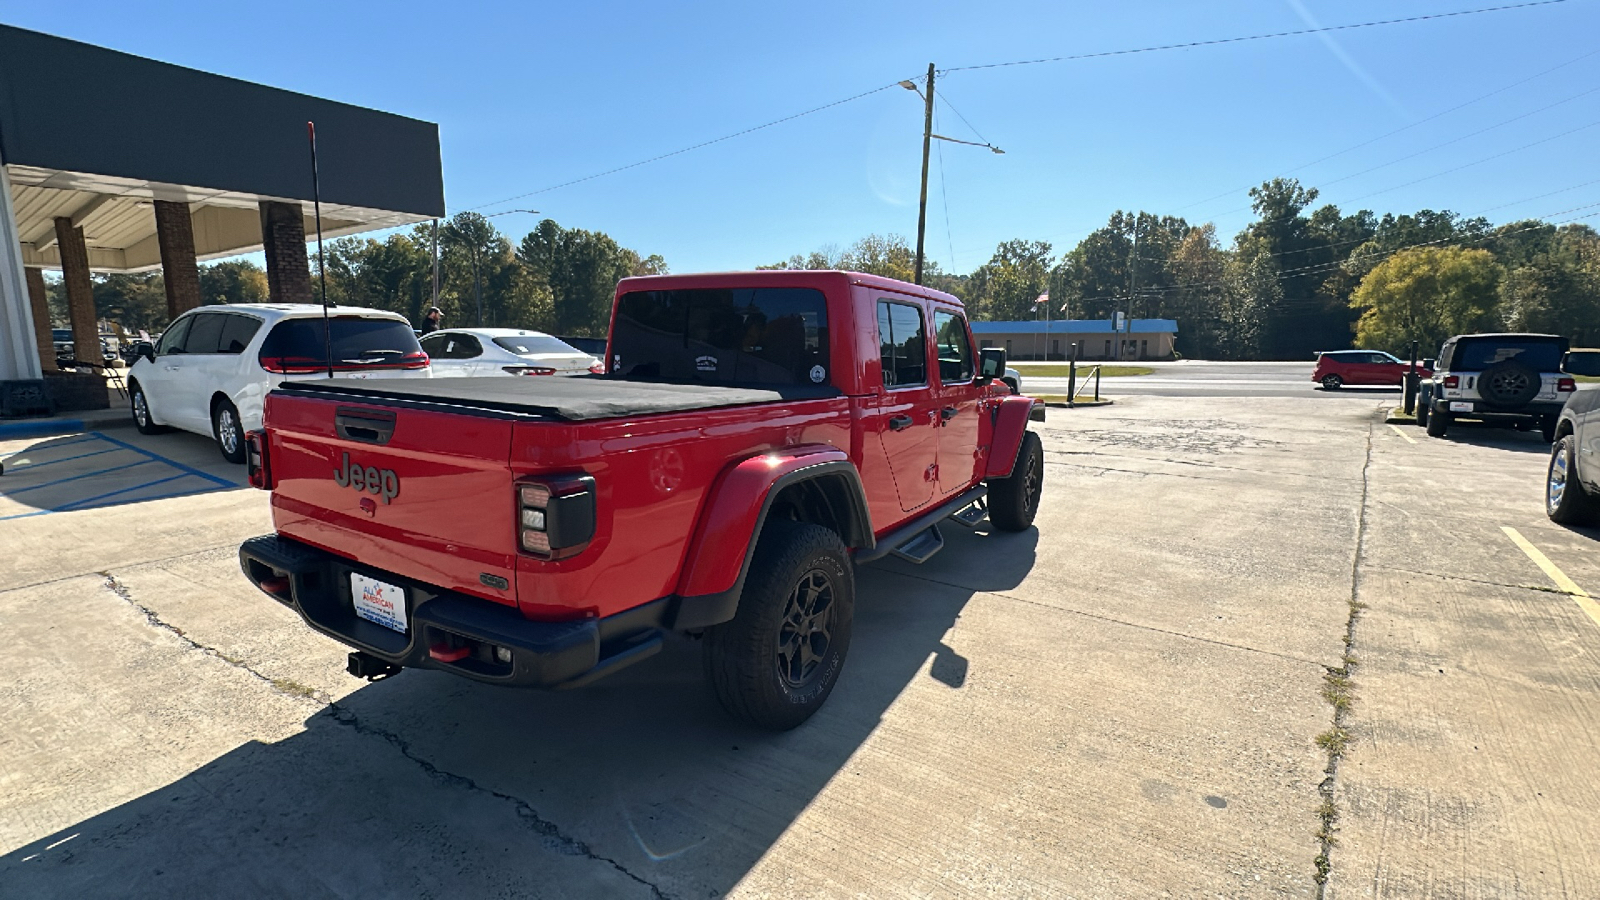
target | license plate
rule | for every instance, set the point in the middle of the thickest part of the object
(1460, 406)
(378, 601)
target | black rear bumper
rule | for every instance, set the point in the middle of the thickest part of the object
(1537, 410)
(449, 631)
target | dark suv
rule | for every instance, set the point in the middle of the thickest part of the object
(1513, 379)
(1572, 487)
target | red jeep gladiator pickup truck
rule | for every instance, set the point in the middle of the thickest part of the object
(754, 436)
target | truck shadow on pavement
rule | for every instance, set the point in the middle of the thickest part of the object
(426, 784)
(1500, 437)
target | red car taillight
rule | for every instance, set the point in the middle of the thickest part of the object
(1451, 381)
(528, 370)
(1567, 384)
(257, 466)
(304, 365)
(292, 365)
(599, 368)
(555, 515)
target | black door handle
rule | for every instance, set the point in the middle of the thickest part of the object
(948, 413)
(897, 423)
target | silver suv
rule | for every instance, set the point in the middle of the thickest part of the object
(1514, 379)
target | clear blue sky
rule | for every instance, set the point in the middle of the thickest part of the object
(528, 95)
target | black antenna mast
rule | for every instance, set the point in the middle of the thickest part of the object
(322, 267)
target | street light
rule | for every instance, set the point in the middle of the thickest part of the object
(927, 143)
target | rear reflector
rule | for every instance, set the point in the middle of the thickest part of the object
(1451, 381)
(1567, 384)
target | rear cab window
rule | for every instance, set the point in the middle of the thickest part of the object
(1539, 354)
(734, 336)
(299, 346)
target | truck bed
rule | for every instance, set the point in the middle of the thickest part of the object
(570, 399)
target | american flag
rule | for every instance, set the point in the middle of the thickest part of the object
(1043, 299)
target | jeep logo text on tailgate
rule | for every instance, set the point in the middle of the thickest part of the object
(367, 478)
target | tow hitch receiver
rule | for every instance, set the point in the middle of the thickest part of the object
(365, 665)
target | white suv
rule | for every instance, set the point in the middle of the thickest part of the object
(215, 365)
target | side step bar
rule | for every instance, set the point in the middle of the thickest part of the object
(913, 537)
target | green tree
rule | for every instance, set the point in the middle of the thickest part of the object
(233, 281)
(580, 270)
(1013, 279)
(1427, 294)
(134, 301)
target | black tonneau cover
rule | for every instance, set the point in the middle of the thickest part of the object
(570, 398)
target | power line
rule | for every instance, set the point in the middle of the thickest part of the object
(943, 97)
(1396, 131)
(944, 195)
(1188, 45)
(726, 137)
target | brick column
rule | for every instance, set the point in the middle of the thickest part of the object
(80, 292)
(41, 319)
(283, 236)
(180, 272)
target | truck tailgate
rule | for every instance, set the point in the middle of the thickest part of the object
(423, 492)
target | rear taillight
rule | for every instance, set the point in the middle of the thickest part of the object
(292, 365)
(528, 370)
(257, 466)
(555, 515)
(599, 368)
(1567, 384)
(417, 360)
(1451, 381)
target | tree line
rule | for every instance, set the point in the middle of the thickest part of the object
(555, 279)
(1298, 279)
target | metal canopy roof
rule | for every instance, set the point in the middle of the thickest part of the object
(107, 133)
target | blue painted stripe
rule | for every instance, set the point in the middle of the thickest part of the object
(47, 512)
(35, 487)
(51, 462)
(173, 463)
(68, 506)
(42, 512)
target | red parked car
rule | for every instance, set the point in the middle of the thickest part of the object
(1337, 368)
(756, 435)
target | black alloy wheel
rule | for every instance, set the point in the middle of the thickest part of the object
(807, 630)
(1332, 382)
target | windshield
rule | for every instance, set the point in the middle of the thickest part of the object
(1542, 354)
(723, 336)
(533, 344)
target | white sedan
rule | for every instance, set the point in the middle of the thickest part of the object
(460, 352)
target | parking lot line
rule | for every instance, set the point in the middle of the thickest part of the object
(171, 462)
(1567, 585)
(1409, 438)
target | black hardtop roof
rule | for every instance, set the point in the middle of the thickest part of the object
(1518, 335)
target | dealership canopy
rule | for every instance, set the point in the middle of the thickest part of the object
(115, 163)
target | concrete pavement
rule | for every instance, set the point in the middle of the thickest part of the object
(1122, 702)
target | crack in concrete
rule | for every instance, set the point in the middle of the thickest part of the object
(554, 838)
(1336, 738)
(1114, 621)
(282, 686)
(1543, 589)
(133, 564)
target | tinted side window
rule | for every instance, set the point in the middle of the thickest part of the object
(205, 334)
(955, 352)
(776, 335)
(353, 337)
(462, 346)
(176, 334)
(902, 344)
(433, 345)
(237, 333)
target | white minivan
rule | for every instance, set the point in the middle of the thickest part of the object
(214, 366)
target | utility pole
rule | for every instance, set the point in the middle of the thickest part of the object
(477, 287)
(927, 145)
(1133, 281)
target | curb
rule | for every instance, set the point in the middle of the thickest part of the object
(1080, 404)
(27, 428)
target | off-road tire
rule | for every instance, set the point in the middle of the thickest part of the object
(1547, 428)
(1570, 504)
(745, 659)
(1332, 382)
(228, 431)
(1421, 412)
(1439, 423)
(139, 406)
(1014, 500)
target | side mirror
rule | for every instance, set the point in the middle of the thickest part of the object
(991, 363)
(1582, 362)
(1429, 363)
(146, 350)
